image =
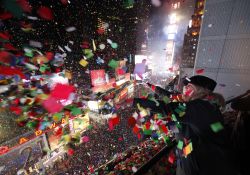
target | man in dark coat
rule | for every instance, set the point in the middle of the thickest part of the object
(204, 149)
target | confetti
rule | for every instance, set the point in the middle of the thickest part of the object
(102, 46)
(24, 4)
(199, 71)
(85, 139)
(216, 127)
(32, 18)
(70, 29)
(35, 44)
(83, 62)
(114, 45)
(180, 144)
(62, 91)
(45, 13)
(113, 64)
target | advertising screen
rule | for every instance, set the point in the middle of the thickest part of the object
(97, 77)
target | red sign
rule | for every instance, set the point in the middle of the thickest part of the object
(97, 77)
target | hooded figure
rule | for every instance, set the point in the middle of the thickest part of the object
(205, 149)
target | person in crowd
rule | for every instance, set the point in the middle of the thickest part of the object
(201, 126)
(141, 68)
(218, 100)
(241, 130)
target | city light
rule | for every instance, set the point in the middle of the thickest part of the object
(172, 18)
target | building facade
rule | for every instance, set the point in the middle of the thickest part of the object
(223, 50)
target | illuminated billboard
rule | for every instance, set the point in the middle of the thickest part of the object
(97, 77)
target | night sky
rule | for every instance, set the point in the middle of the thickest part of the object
(124, 26)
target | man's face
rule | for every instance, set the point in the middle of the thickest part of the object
(188, 91)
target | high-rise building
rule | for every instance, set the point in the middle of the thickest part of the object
(192, 36)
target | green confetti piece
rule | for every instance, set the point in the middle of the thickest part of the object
(90, 55)
(114, 45)
(166, 139)
(90, 126)
(166, 99)
(147, 132)
(180, 145)
(178, 111)
(173, 117)
(76, 111)
(57, 117)
(182, 107)
(159, 116)
(113, 64)
(178, 125)
(31, 124)
(216, 127)
(69, 107)
(181, 114)
(29, 54)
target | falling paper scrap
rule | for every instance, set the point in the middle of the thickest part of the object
(70, 29)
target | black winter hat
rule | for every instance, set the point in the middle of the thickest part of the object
(201, 81)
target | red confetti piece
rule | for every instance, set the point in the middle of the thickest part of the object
(16, 109)
(5, 36)
(85, 45)
(4, 70)
(49, 55)
(111, 126)
(120, 139)
(100, 31)
(153, 88)
(120, 71)
(139, 136)
(51, 105)
(85, 139)
(64, 2)
(200, 71)
(24, 4)
(171, 158)
(131, 121)
(70, 151)
(9, 46)
(58, 132)
(164, 129)
(147, 125)
(171, 69)
(62, 91)
(5, 15)
(5, 57)
(136, 130)
(115, 121)
(129, 100)
(45, 13)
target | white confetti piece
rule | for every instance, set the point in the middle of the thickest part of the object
(35, 44)
(210, 25)
(60, 48)
(102, 46)
(70, 29)
(32, 17)
(109, 41)
(134, 169)
(67, 48)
